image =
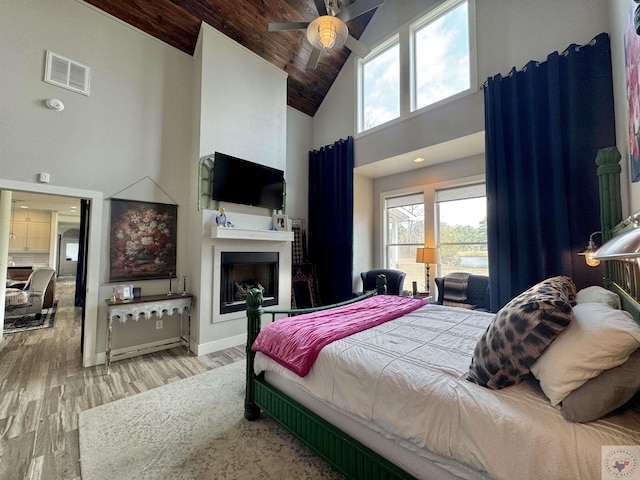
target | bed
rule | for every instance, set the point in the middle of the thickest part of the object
(400, 400)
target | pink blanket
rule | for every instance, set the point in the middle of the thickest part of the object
(295, 342)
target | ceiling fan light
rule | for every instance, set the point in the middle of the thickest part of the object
(327, 32)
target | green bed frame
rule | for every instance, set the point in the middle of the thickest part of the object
(346, 454)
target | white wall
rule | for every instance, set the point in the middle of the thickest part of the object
(299, 143)
(507, 36)
(133, 126)
(242, 112)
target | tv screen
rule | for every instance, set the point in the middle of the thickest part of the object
(247, 183)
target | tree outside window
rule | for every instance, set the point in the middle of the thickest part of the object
(462, 235)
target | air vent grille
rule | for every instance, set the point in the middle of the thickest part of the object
(66, 73)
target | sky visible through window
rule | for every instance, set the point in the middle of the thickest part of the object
(470, 211)
(382, 88)
(442, 57)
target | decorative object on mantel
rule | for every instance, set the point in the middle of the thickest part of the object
(142, 240)
(281, 223)
(221, 218)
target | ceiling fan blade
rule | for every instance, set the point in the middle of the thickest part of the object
(276, 27)
(313, 59)
(358, 8)
(357, 47)
(322, 8)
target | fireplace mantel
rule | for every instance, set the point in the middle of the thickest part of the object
(226, 233)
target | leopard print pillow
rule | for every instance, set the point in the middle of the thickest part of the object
(520, 332)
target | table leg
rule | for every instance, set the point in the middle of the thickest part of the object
(107, 360)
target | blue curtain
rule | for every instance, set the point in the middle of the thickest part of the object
(544, 126)
(331, 219)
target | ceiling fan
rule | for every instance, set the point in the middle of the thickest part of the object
(329, 31)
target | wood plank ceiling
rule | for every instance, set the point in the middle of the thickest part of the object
(177, 22)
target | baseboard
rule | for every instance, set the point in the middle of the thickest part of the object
(216, 346)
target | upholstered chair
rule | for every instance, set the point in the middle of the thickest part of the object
(395, 280)
(475, 293)
(36, 286)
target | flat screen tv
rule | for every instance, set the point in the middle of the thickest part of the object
(247, 183)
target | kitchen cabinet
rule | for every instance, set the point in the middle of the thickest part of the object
(31, 232)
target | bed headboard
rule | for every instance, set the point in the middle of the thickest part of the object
(620, 276)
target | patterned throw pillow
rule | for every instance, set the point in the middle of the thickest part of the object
(520, 332)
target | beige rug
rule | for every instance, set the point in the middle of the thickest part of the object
(191, 429)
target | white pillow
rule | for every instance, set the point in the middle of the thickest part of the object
(596, 294)
(598, 338)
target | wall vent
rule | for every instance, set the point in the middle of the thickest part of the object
(66, 73)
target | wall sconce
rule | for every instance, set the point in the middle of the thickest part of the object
(622, 247)
(590, 251)
(427, 255)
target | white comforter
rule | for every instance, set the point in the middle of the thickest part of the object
(405, 377)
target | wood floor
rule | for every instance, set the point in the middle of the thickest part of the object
(43, 387)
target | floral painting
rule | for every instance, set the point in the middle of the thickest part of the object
(632, 57)
(142, 240)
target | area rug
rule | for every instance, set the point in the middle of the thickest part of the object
(36, 321)
(192, 429)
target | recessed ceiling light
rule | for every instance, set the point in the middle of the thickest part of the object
(419, 160)
(23, 206)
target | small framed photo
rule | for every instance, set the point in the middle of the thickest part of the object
(281, 222)
(124, 292)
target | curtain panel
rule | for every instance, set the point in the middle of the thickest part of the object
(544, 125)
(331, 219)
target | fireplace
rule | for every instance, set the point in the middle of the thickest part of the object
(241, 271)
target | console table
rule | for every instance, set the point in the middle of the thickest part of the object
(147, 307)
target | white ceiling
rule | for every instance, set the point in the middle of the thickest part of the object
(52, 203)
(462, 147)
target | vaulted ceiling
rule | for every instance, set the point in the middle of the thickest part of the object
(177, 23)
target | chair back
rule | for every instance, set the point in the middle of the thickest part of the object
(395, 280)
(39, 279)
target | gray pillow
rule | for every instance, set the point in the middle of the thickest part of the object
(520, 332)
(604, 393)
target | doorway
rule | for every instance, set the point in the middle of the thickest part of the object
(92, 200)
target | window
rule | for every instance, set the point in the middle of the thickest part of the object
(425, 63)
(71, 252)
(462, 229)
(405, 233)
(441, 54)
(380, 87)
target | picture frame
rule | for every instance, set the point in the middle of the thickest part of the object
(142, 240)
(281, 222)
(124, 292)
(632, 72)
